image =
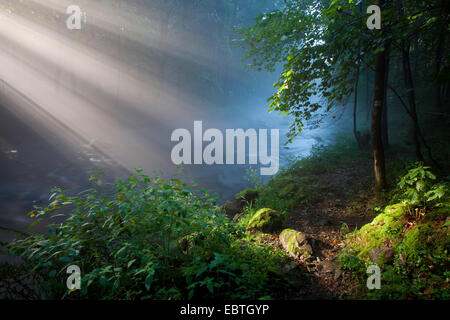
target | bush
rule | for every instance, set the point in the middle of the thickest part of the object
(147, 239)
(418, 187)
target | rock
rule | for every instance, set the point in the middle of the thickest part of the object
(385, 252)
(233, 207)
(337, 273)
(375, 254)
(295, 243)
(246, 196)
(389, 254)
(266, 220)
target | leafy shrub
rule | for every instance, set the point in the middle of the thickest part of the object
(147, 239)
(418, 186)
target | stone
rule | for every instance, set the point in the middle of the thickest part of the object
(295, 243)
(246, 196)
(389, 254)
(385, 252)
(266, 220)
(233, 207)
(375, 254)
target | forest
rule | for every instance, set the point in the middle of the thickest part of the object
(122, 178)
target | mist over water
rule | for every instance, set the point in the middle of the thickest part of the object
(110, 95)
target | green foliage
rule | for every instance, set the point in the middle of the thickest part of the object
(322, 45)
(147, 239)
(253, 176)
(418, 187)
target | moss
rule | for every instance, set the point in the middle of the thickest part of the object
(266, 220)
(425, 238)
(386, 226)
(414, 261)
(247, 195)
(295, 243)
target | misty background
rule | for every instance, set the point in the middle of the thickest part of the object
(108, 96)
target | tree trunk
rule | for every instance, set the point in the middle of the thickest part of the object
(369, 95)
(377, 111)
(384, 119)
(439, 47)
(355, 105)
(407, 74)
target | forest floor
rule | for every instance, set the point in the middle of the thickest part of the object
(341, 210)
(345, 203)
(330, 195)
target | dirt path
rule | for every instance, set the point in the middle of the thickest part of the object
(344, 206)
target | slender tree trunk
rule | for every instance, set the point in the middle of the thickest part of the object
(355, 106)
(369, 95)
(447, 93)
(384, 119)
(407, 74)
(355, 103)
(377, 111)
(439, 47)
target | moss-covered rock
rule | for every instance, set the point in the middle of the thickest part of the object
(295, 243)
(247, 195)
(375, 238)
(413, 253)
(387, 236)
(266, 220)
(233, 207)
(425, 238)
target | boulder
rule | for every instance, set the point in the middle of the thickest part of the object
(266, 220)
(377, 253)
(295, 243)
(234, 206)
(246, 196)
(231, 208)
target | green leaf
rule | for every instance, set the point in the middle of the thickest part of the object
(130, 263)
(149, 279)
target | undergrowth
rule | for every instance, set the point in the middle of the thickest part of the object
(149, 239)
